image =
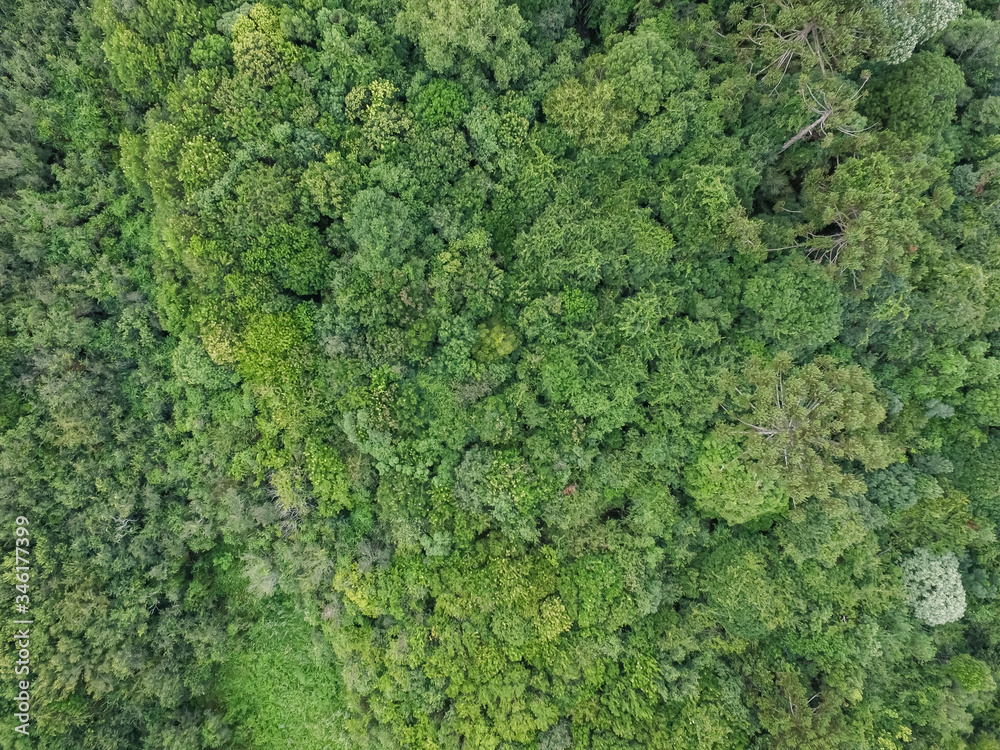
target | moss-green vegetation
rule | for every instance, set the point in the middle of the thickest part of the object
(280, 686)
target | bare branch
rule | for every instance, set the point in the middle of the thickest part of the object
(807, 130)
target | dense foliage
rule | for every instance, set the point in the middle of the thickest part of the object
(426, 374)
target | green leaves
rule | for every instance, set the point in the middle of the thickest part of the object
(421, 314)
(293, 255)
(201, 162)
(867, 218)
(440, 102)
(745, 597)
(795, 305)
(503, 486)
(971, 673)
(260, 51)
(919, 97)
(451, 35)
(634, 78)
(794, 424)
(382, 120)
(808, 37)
(725, 487)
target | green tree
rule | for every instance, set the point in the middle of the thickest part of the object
(794, 424)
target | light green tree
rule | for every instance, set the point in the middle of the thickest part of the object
(934, 586)
(794, 424)
(915, 21)
(487, 31)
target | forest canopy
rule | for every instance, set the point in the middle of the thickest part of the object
(474, 375)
